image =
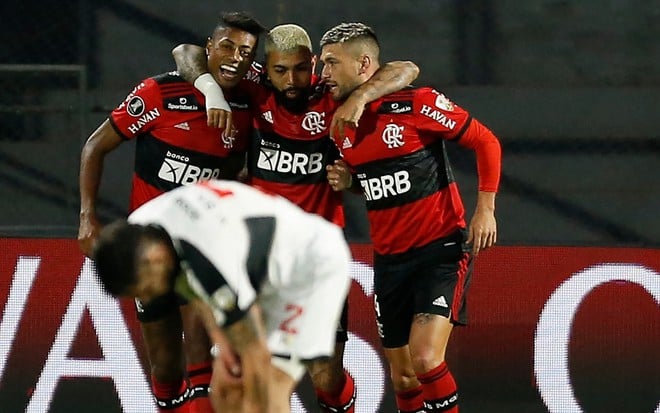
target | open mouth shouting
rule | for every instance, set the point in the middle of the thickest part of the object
(228, 72)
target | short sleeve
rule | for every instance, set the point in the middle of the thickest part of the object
(139, 112)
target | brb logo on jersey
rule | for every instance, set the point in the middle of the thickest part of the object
(176, 169)
(314, 122)
(277, 160)
(385, 186)
(392, 135)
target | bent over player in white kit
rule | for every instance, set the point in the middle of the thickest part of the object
(273, 277)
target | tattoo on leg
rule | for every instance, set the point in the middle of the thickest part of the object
(423, 318)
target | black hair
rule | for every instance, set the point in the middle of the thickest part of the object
(346, 32)
(240, 20)
(116, 252)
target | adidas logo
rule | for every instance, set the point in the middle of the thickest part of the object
(268, 115)
(182, 125)
(346, 143)
(440, 301)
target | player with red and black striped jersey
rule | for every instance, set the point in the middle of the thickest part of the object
(174, 146)
(290, 149)
(422, 262)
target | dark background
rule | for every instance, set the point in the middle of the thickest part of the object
(571, 88)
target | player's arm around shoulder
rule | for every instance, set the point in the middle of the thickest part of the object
(191, 64)
(389, 78)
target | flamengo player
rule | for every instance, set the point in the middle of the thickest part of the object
(236, 252)
(290, 150)
(174, 146)
(421, 263)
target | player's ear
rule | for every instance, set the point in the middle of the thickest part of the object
(209, 44)
(365, 62)
(315, 60)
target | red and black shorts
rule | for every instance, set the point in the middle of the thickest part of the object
(432, 279)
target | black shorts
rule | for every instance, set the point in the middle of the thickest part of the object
(432, 279)
(342, 328)
(159, 308)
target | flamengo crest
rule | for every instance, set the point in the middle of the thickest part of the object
(314, 122)
(392, 135)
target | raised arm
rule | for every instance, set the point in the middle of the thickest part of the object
(191, 63)
(98, 145)
(390, 77)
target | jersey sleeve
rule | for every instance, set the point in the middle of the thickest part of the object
(140, 112)
(435, 113)
(225, 287)
(488, 153)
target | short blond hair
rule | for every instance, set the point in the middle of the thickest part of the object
(287, 38)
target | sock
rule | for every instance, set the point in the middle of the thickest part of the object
(170, 397)
(440, 391)
(199, 377)
(338, 403)
(410, 401)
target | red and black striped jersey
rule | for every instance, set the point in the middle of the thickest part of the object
(174, 145)
(289, 151)
(398, 155)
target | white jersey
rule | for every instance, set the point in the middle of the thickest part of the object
(238, 245)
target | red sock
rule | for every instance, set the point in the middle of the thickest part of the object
(440, 391)
(342, 402)
(410, 401)
(170, 397)
(199, 376)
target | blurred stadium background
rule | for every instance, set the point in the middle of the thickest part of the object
(572, 88)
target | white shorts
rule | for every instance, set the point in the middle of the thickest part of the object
(303, 301)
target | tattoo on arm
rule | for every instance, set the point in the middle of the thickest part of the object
(190, 61)
(390, 77)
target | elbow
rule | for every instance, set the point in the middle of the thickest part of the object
(410, 70)
(414, 70)
(177, 50)
(178, 53)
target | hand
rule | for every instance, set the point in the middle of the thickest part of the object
(219, 118)
(339, 175)
(226, 383)
(348, 114)
(482, 232)
(88, 232)
(218, 111)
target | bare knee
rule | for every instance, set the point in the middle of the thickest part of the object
(426, 359)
